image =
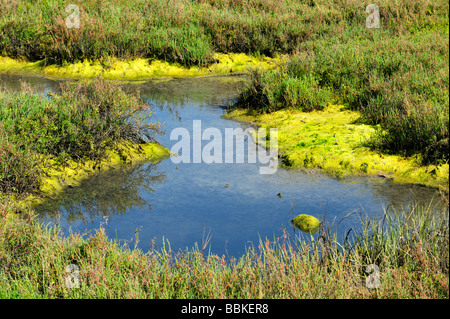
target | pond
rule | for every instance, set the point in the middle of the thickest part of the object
(181, 203)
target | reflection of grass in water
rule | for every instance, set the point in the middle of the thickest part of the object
(106, 193)
(175, 94)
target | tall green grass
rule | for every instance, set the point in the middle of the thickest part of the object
(189, 32)
(181, 31)
(80, 123)
(409, 249)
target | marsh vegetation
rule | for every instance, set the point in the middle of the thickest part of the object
(395, 76)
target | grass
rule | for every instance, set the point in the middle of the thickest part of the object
(395, 76)
(183, 31)
(190, 32)
(410, 249)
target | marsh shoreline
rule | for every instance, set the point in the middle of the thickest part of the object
(109, 269)
(335, 142)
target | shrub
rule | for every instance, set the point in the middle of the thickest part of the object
(273, 90)
(81, 123)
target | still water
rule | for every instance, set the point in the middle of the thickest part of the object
(234, 203)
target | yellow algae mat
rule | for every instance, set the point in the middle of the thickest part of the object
(139, 68)
(333, 141)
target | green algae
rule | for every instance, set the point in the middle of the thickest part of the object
(335, 142)
(139, 68)
(58, 177)
(306, 223)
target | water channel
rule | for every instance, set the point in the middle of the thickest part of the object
(181, 203)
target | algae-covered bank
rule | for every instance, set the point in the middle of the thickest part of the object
(57, 177)
(48, 144)
(138, 68)
(335, 141)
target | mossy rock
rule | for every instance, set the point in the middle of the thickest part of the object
(306, 223)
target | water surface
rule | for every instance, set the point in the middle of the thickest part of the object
(183, 202)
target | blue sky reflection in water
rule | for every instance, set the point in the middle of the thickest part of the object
(238, 205)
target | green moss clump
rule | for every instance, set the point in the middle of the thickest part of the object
(306, 223)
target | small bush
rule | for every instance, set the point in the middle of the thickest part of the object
(81, 123)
